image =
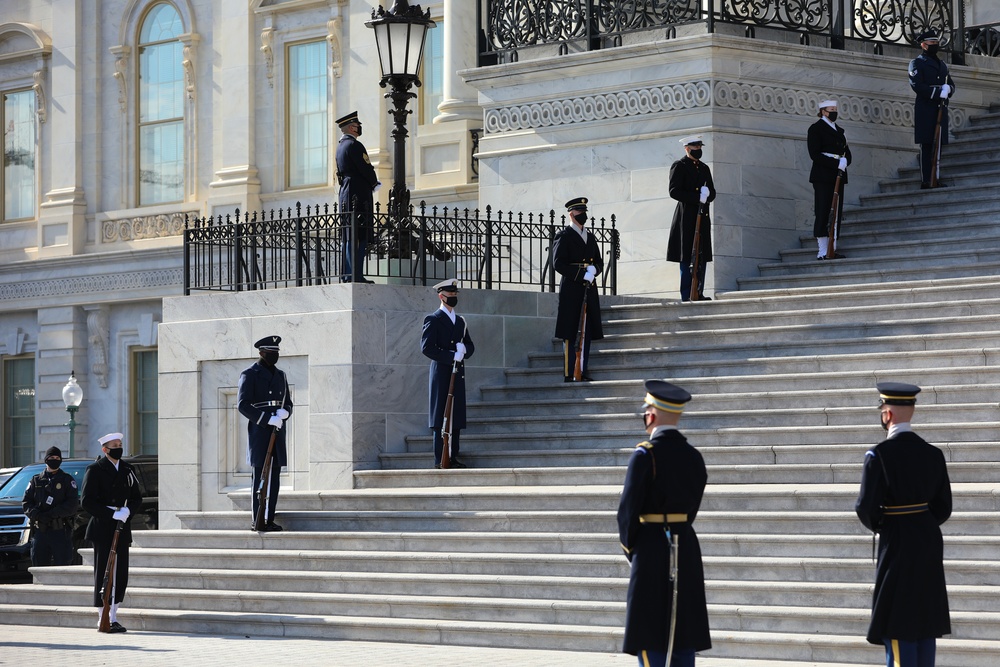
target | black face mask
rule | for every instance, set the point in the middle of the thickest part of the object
(932, 49)
(832, 116)
(696, 153)
(53, 463)
(115, 453)
(645, 423)
(451, 301)
(269, 357)
(580, 218)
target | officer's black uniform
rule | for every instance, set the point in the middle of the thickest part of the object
(927, 74)
(106, 487)
(357, 183)
(264, 389)
(824, 141)
(687, 177)
(50, 502)
(571, 255)
(905, 497)
(663, 488)
(438, 343)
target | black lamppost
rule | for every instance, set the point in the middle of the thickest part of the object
(399, 36)
(72, 395)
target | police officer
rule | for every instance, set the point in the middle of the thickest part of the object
(664, 485)
(358, 183)
(110, 494)
(830, 156)
(692, 186)
(930, 80)
(50, 502)
(905, 497)
(445, 340)
(577, 258)
(265, 399)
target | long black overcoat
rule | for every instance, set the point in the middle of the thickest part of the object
(437, 342)
(910, 601)
(665, 475)
(104, 486)
(570, 257)
(927, 75)
(263, 384)
(686, 180)
(820, 139)
(357, 181)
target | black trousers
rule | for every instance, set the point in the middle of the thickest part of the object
(927, 162)
(102, 551)
(51, 547)
(272, 492)
(823, 197)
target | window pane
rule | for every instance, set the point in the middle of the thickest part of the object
(432, 75)
(19, 412)
(145, 438)
(308, 146)
(161, 82)
(19, 155)
(162, 23)
(161, 163)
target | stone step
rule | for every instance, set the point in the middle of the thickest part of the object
(905, 289)
(903, 248)
(846, 272)
(983, 178)
(959, 165)
(890, 232)
(951, 200)
(957, 262)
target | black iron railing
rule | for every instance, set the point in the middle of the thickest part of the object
(511, 25)
(983, 40)
(294, 248)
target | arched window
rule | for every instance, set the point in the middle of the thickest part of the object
(161, 107)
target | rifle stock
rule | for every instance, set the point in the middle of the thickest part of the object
(108, 583)
(695, 294)
(936, 159)
(581, 332)
(833, 219)
(265, 475)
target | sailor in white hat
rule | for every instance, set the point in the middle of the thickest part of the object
(692, 186)
(830, 156)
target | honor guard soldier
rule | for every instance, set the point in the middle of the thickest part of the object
(358, 183)
(666, 618)
(830, 156)
(265, 399)
(110, 493)
(905, 497)
(445, 340)
(692, 186)
(577, 258)
(50, 502)
(930, 80)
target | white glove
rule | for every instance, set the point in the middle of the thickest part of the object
(945, 91)
(459, 355)
(378, 186)
(275, 421)
(283, 413)
(460, 347)
(122, 514)
(590, 274)
(843, 164)
(704, 193)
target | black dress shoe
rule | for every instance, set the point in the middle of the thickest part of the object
(271, 527)
(704, 298)
(925, 186)
(586, 378)
(116, 628)
(437, 466)
(456, 463)
(567, 378)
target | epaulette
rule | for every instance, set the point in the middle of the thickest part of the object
(645, 445)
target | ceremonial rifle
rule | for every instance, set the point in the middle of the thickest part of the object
(936, 160)
(578, 365)
(674, 553)
(263, 488)
(109, 581)
(833, 219)
(696, 256)
(449, 409)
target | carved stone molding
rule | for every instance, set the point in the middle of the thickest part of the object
(267, 48)
(121, 54)
(33, 290)
(696, 94)
(15, 342)
(336, 52)
(39, 87)
(97, 334)
(189, 62)
(142, 227)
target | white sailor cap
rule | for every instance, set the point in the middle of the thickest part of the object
(450, 285)
(826, 103)
(693, 140)
(105, 439)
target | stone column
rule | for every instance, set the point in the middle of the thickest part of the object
(459, 99)
(62, 349)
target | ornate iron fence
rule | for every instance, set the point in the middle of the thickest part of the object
(286, 248)
(511, 25)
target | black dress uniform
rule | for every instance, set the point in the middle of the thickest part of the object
(823, 141)
(665, 480)
(50, 502)
(104, 487)
(357, 184)
(438, 341)
(263, 389)
(687, 177)
(928, 74)
(571, 255)
(905, 497)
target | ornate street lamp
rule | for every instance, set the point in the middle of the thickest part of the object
(72, 396)
(399, 36)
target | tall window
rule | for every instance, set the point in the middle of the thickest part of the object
(432, 74)
(307, 146)
(19, 411)
(18, 123)
(161, 107)
(145, 411)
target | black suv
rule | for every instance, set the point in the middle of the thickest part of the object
(15, 534)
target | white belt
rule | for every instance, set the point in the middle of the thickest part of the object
(835, 157)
